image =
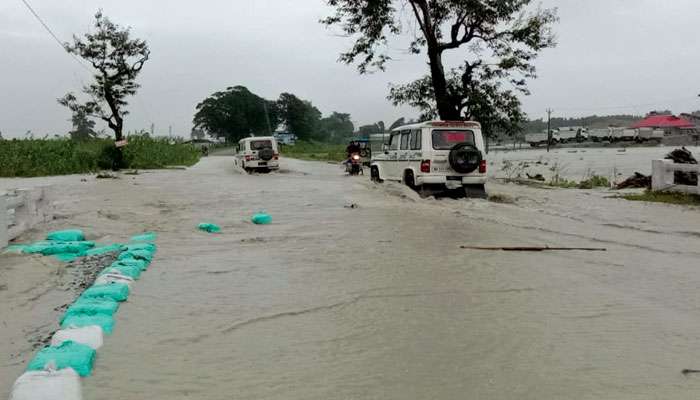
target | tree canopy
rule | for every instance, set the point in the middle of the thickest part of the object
(236, 113)
(118, 60)
(336, 127)
(299, 116)
(83, 127)
(501, 38)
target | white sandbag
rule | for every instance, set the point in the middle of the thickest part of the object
(114, 278)
(47, 385)
(88, 335)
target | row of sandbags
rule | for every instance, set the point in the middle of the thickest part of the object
(54, 373)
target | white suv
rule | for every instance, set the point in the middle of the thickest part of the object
(442, 154)
(258, 153)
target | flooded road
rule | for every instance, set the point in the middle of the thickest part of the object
(379, 301)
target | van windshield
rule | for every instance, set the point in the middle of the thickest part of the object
(260, 144)
(445, 139)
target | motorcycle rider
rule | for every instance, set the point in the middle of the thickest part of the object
(353, 148)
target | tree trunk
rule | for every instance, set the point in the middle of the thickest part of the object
(446, 110)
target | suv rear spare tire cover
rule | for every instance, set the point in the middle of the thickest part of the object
(266, 154)
(465, 158)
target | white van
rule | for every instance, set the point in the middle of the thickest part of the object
(258, 153)
(443, 154)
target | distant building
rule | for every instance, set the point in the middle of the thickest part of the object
(285, 138)
(670, 124)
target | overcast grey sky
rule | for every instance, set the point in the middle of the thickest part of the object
(614, 56)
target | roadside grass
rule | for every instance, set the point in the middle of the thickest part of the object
(665, 197)
(594, 181)
(314, 151)
(45, 157)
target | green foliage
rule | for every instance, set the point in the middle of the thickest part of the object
(665, 197)
(118, 60)
(335, 128)
(370, 129)
(501, 38)
(594, 181)
(144, 152)
(315, 151)
(236, 113)
(83, 128)
(63, 156)
(300, 116)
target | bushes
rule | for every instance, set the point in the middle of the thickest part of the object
(42, 157)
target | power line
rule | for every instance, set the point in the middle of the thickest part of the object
(53, 35)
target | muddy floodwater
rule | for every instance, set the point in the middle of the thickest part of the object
(361, 291)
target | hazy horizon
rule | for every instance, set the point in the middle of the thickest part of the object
(626, 57)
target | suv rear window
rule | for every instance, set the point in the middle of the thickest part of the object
(260, 144)
(445, 139)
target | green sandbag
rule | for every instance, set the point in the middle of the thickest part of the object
(131, 262)
(136, 255)
(48, 248)
(106, 322)
(68, 354)
(115, 291)
(145, 237)
(98, 251)
(94, 306)
(209, 227)
(132, 271)
(67, 257)
(261, 219)
(140, 246)
(68, 235)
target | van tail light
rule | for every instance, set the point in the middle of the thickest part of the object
(425, 166)
(482, 167)
(276, 156)
(248, 158)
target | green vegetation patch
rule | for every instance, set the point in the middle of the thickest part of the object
(665, 197)
(315, 151)
(594, 181)
(44, 157)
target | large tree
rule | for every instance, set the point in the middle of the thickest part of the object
(499, 40)
(117, 59)
(299, 116)
(236, 113)
(336, 127)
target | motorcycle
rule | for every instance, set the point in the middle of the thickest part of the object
(354, 165)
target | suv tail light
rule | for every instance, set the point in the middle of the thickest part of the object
(276, 156)
(425, 166)
(248, 158)
(482, 167)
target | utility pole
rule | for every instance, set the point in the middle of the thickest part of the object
(170, 131)
(549, 128)
(153, 129)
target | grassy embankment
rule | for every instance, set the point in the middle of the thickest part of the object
(43, 157)
(665, 197)
(314, 151)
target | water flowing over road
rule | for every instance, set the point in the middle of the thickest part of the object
(377, 300)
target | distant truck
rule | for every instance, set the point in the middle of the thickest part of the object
(538, 139)
(650, 135)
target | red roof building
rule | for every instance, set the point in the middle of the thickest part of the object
(664, 122)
